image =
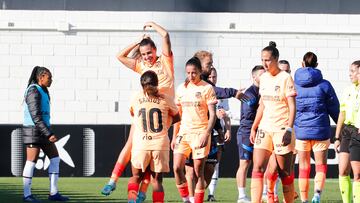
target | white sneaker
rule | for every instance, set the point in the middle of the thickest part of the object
(244, 200)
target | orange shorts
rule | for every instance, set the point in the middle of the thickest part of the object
(187, 143)
(272, 141)
(315, 145)
(157, 159)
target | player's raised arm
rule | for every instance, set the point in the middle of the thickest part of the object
(122, 56)
(166, 44)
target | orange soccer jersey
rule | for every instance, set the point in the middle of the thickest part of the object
(194, 100)
(274, 91)
(164, 68)
(152, 119)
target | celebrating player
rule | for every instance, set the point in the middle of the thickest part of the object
(272, 128)
(316, 100)
(37, 133)
(163, 66)
(152, 116)
(196, 101)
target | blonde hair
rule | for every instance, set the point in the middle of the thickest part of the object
(202, 54)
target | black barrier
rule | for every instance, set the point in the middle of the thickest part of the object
(92, 150)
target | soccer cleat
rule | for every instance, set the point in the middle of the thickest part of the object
(58, 197)
(211, 198)
(108, 188)
(244, 200)
(141, 197)
(316, 199)
(30, 198)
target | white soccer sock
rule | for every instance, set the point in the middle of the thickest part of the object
(54, 175)
(27, 177)
(186, 199)
(214, 180)
(264, 189)
(192, 199)
(242, 193)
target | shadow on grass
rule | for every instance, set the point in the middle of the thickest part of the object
(13, 193)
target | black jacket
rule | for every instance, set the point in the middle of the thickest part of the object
(39, 133)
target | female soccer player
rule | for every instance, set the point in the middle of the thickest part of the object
(345, 129)
(316, 100)
(163, 66)
(196, 102)
(206, 59)
(152, 114)
(273, 123)
(37, 133)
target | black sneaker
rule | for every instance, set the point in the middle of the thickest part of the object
(31, 198)
(58, 197)
(211, 198)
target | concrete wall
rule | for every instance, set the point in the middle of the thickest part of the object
(88, 79)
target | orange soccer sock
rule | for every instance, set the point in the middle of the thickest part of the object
(304, 183)
(199, 196)
(132, 191)
(184, 191)
(288, 188)
(271, 181)
(117, 171)
(320, 177)
(256, 186)
(158, 197)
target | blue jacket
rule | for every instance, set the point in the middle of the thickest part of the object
(248, 111)
(316, 100)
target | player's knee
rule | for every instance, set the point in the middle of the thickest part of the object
(257, 168)
(286, 177)
(178, 169)
(157, 178)
(54, 165)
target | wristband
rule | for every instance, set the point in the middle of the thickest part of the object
(337, 138)
(289, 129)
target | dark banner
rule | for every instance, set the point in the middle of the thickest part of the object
(241, 6)
(92, 150)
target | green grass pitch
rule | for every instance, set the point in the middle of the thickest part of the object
(88, 190)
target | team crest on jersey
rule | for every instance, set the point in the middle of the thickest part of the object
(277, 88)
(198, 95)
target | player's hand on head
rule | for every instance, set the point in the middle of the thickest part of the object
(148, 24)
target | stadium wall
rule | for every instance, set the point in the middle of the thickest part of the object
(91, 87)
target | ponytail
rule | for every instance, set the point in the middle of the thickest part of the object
(35, 74)
(149, 82)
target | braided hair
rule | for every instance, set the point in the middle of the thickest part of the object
(35, 75)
